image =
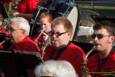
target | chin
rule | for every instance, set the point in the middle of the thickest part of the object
(57, 46)
(98, 49)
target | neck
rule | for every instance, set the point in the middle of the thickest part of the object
(63, 46)
(20, 39)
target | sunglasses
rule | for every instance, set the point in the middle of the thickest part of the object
(57, 34)
(99, 36)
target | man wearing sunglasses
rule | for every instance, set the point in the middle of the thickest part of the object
(104, 60)
(64, 49)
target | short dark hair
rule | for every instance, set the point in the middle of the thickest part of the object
(108, 25)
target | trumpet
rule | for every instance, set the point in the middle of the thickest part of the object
(46, 41)
(42, 33)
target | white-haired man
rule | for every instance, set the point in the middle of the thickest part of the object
(19, 29)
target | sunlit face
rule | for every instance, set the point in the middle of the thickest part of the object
(16, 33)
(60, 35)
(45, 24)
(102, 39)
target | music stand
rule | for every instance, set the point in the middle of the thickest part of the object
(17, 64)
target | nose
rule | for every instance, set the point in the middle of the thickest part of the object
(95, 39)
(42, 27)
(53, 35)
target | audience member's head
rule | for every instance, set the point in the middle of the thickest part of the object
(61, 31)
(54, 68)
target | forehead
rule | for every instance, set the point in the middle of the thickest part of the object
(14, 24)
(44, 20)
(102, 30)
(59, 28)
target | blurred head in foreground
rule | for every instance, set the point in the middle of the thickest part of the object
(54, 68)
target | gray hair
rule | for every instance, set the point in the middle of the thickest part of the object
(22, 24)
(56, 69)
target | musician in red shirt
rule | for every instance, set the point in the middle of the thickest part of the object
(103, 61)
(63, 49)
(44, 35)
(19, 30)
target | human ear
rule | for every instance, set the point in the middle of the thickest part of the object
(69, 33)
(112, 38)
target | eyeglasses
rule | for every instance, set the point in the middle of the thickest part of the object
(57, 34)
(12, 29)
(99, 36)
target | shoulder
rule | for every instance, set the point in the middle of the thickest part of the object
(75, 48)
(93, 58)
(113, 54)
(29, 41)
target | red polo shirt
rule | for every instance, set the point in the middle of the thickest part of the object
(96, 64)
(71, 53)
(26, 45)
(27, 6)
